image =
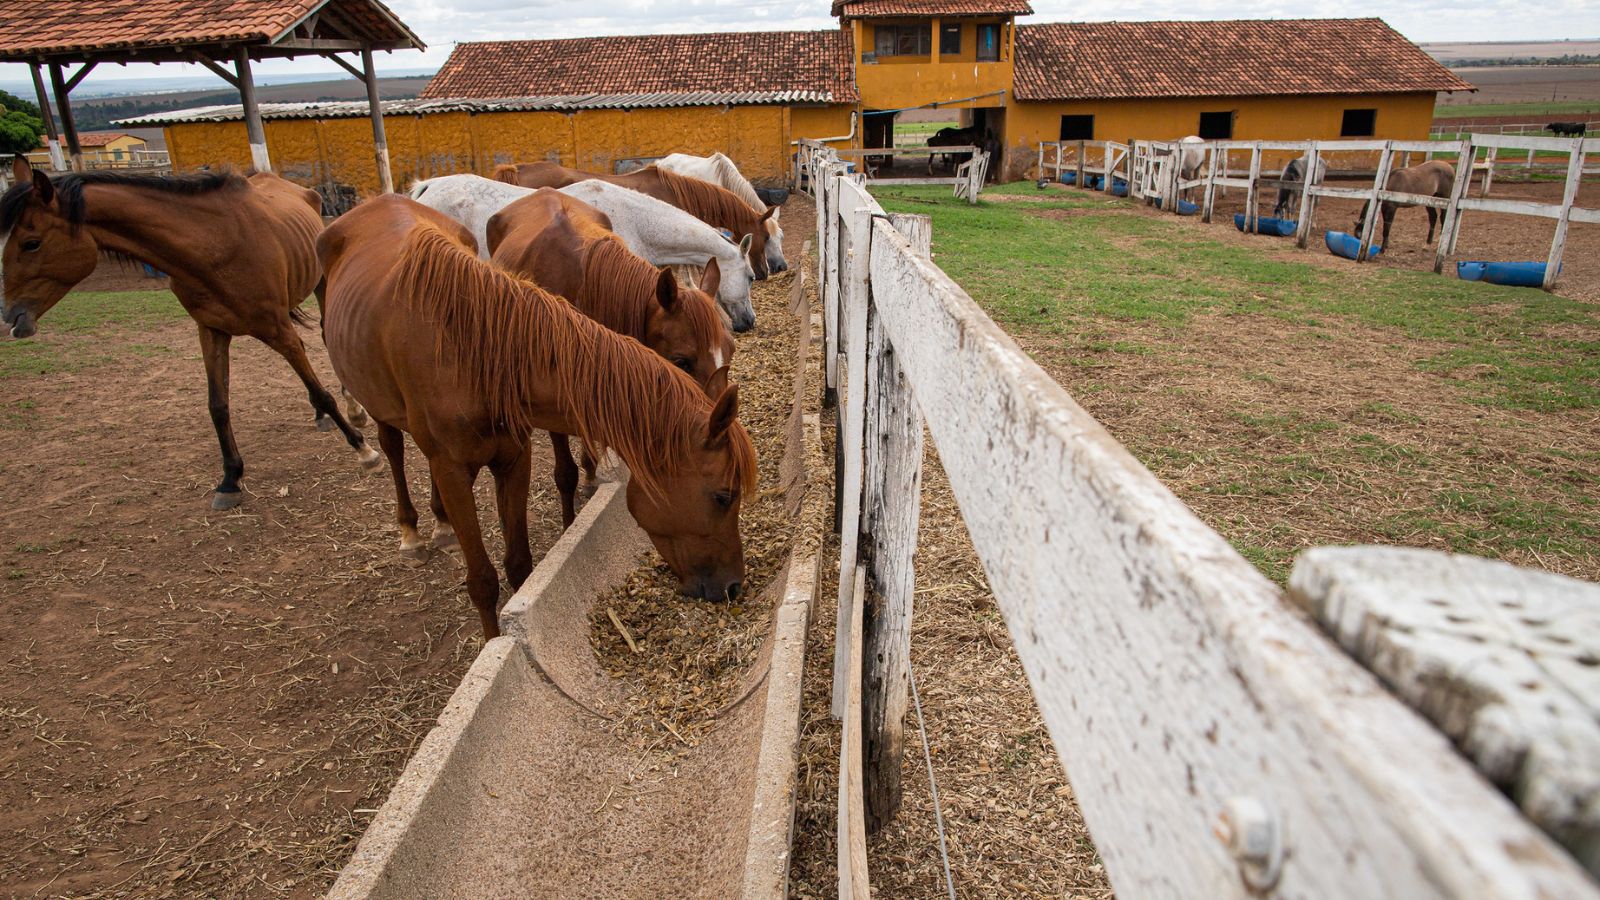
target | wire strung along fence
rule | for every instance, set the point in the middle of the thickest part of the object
(1219, 744)
(1156, 176)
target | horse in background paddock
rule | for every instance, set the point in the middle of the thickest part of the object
(567, 247)
(1568, 129)
(972, 135)
(707, 202)
(660, 232)
(1295, 173)
(1430, 179)
(240, 252)
(719, 170)
(471, 360)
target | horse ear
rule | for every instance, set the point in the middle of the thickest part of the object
(771, 212)
(744, 244)
(725, 413)
(666, 289)
(20, 170)
(711, 279)
(43, 191)
(774, 211)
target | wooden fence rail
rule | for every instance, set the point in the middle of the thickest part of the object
(1219, 744)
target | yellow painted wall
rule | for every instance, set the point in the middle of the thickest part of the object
(1287, 118)
(896, 82)
(314, 152)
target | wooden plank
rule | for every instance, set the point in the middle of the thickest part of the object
(52, 137)
(1311, 178)
(828, 250)
(1514, 207)
(69, 127)
(1210, 198)
(380, 143)
(1534, 142)
(1251, 196)
(855, 215)
(1501, 659)
(1374, 208)
(254, 133)
(852, 832)
(1452, 212)
(1175, 681)
(1569, 195)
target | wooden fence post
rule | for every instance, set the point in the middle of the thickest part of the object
(856, 220)
(1568, 197)
(889, 548)
(1488, 172)
(1210, 198)
(1079, 163)
(1312, 177)
(1380, 182)
(1252, 196)
(1450, 222)
(851, 830)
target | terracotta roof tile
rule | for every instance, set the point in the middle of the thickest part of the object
(862, 9)
(813, 61)
(30, 28)
(1102, 60)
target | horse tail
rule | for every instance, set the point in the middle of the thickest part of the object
(506, 173)
(302, 318)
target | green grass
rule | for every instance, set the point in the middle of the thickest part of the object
(65, 342)
(913, 133)
(1535, 108)
(1503, 346)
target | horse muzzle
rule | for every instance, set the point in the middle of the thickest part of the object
(21, 323)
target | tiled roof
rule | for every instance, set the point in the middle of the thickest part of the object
(863, 9)
(815, 62)
(1098, 60)
(99, 138)
(32, 28)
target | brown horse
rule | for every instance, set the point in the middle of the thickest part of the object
(716, 206)
(240, 252)
(471, 360)
(567, 247)
(1434, 178)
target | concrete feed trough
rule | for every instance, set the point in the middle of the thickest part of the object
(525, 790)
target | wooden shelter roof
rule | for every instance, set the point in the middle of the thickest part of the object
(889, 9)
(174, 30)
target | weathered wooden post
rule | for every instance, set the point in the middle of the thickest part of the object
(380, 143)
(855, 218)
(888, 549)
(63, 93)
(52, 138)
(1079, 162)
(1380, 183)
(1210, 198)
(1253, 192)
(1450, 220)
(1568, 197)
(254, 131)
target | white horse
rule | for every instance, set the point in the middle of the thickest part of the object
(720, 171)
(1191, 156)
(659, 232)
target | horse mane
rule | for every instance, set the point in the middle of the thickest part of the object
(731, 175)
(511, 338)
(69, 190)
(708, 201)
(506, 173)
(619, 291)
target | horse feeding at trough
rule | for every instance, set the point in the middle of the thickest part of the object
(1430, 179)
(567, 247)
(713, 205)
(721, 171)
(660, 232)
(1568, 129)
(471, 360)
(1191, 156)
(1295, 174)
(240, 252)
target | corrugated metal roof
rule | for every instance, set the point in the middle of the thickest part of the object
(356, 109)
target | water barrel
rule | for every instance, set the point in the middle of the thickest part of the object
(1513, 274)
(1341, 243)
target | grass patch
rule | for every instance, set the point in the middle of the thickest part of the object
(64, 342)
(1536, 109)
(912, 134)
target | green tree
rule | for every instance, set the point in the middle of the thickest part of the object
(20, 125)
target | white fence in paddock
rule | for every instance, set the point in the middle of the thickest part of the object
(1218, 743)
(1107, 159)
(1155, 175)
(967, 178)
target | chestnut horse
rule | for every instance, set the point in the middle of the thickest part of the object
(707, 202)
(567, 247)
(240, 251)
(1433, 178)
(470, 360)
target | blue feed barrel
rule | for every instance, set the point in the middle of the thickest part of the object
(1513, 274)
(1347, 245)
(1267, 225)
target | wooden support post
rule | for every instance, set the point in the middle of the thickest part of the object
(1380, 182)
(253, 129)
(1312, 177)
(1488, 172)
(1058, 160)
(380, 144)
(1079, 182)
(889, 547)
(855, 216)
(1252, 193)
(852, 832)
(827, 277)
(1042, 176)
(58, 162)
(1210, 198)
(64, 109)
(1450, 219)
(1569, 195)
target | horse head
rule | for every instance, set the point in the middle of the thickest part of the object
(685, 328)
(772, 249)
(43, 252)
(693, 517)
(735, 287)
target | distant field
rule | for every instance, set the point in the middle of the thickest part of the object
(1449, 52)
(916, 133)
(1532, 110)
(1516, 90)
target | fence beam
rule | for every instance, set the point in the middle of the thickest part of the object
(855, 217)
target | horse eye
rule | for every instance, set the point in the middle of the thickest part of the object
(684, 364)
(724, 498)
(31, 244)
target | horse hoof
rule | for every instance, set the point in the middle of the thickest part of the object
(324, 423)
(445, 539)
(371, 460)
(221, 501)
(415, 555)
(358, 418)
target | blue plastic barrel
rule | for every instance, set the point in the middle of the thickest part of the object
(1185, 208)
(1268, 225)
(1069, 177)
(1513, 274)
(1341, 243)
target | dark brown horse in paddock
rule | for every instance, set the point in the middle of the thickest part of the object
(567, 247)
(471, 360)
(240, 252)
(713, 205)
(1434, 178)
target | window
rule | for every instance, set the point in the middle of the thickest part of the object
(1359, 123)
(904, 40)
(988, 43)
(1077, 128)
(949, 40)
(1216, 126)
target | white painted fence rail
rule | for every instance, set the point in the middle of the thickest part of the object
(1218, 743)
(967, 178)
(1154, 176)
(1083, 158)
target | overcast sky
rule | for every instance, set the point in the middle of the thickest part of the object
(441, 23)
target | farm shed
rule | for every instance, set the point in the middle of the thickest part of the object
(590, 102)
(1225, 80)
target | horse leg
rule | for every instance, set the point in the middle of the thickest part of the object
(566, 477)
(393, 442)
(444, 534)
(214, 346)
(453, 481)
(1433, 215)
(291, 348)
(511, 496)
(353, 410)
(1388, 221)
